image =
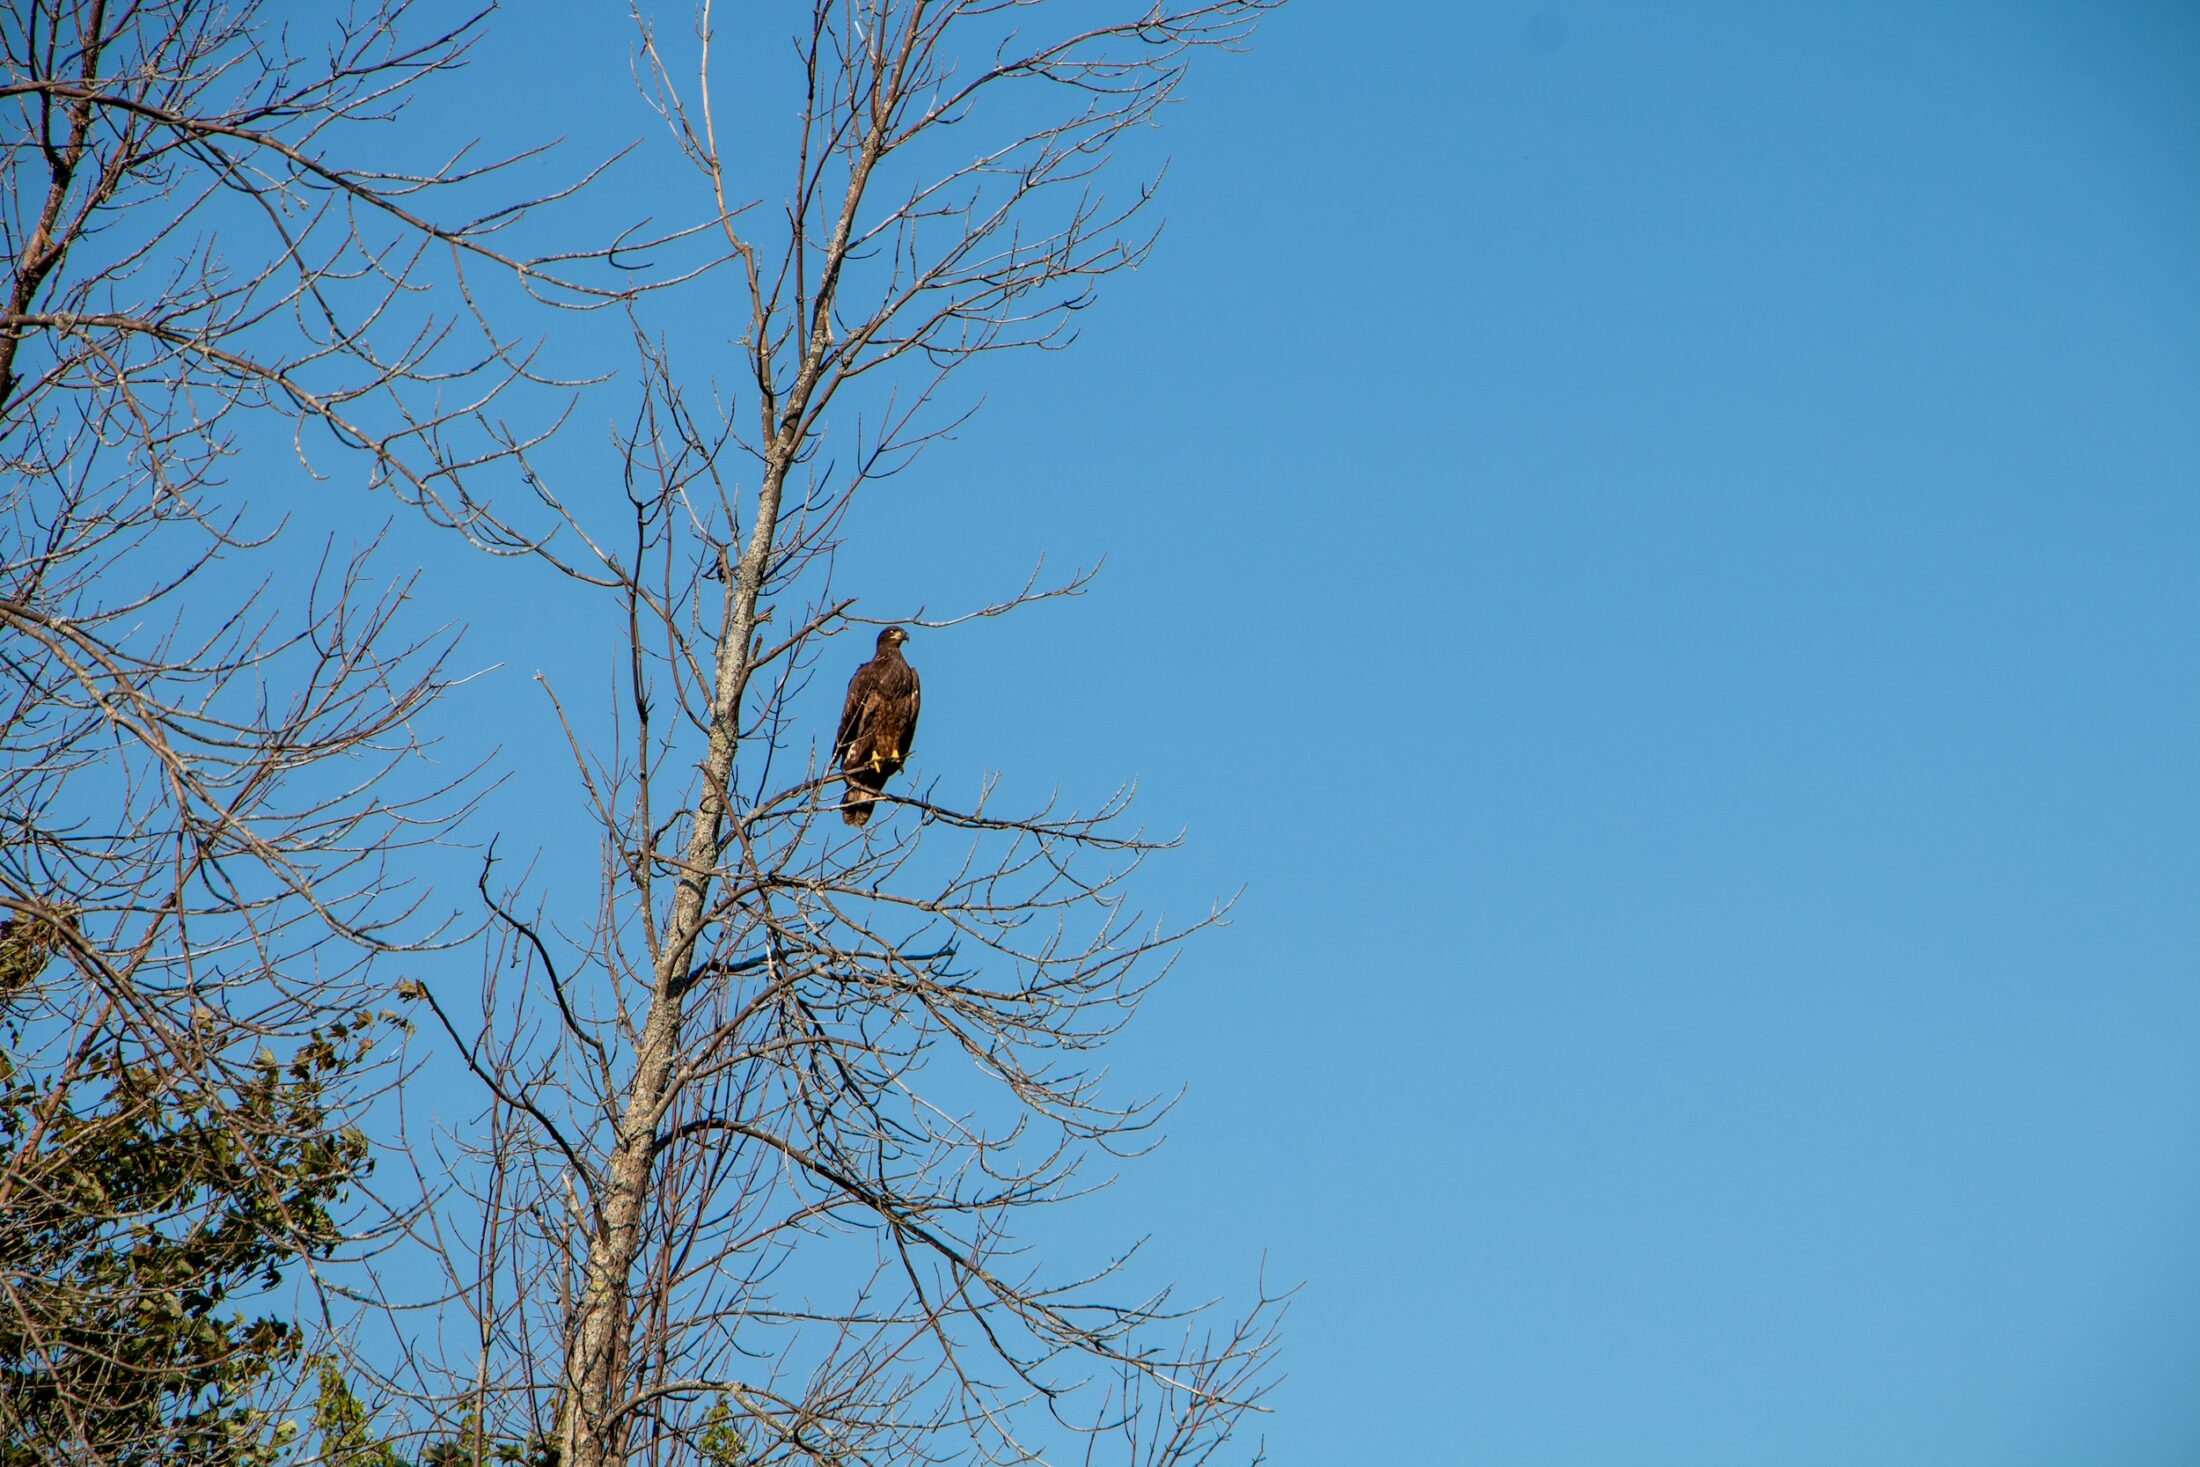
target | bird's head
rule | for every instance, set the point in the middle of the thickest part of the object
(891, 638)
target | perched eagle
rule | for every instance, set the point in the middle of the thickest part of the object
(877, 724)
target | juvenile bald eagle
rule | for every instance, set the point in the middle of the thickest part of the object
(877, 724)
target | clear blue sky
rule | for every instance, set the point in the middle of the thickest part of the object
(1661, 545)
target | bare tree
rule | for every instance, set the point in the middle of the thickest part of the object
(771, 1102)
(210, 782)
(771, 1106)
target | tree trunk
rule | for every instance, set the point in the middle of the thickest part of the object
(595, 1352)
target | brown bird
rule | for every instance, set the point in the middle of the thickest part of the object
(877, 725)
